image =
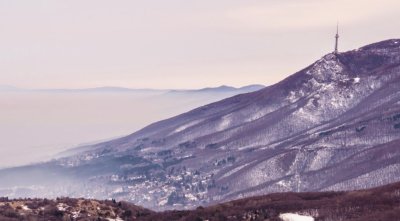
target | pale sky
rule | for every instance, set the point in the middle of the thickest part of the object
(178, 43)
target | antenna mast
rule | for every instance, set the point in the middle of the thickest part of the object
(337, 39)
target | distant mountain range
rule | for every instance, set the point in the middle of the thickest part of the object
(334, 125)
(220, 89)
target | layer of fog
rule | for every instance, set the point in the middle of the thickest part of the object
(36, 125)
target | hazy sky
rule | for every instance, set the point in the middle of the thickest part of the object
(178, 43)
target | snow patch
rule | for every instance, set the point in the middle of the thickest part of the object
(75, 214)
(283, 183)
(356, 80)
(116, 219)
(183, 127)
(25, 207)
(235, 170)
(190, 197)
(62, 207)
(295, 217)
(163, 202)
(118, 190)
(225, 122)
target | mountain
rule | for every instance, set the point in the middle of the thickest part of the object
(100, 90)
(363, 205)
(6, 88)
(222, 89)
(334, 125)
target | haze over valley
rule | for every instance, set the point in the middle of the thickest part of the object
(36, 124)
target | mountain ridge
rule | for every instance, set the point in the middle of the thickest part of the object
(289, 80)
(108, 89)
(334, 125)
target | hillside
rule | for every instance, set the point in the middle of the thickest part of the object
(334, 125)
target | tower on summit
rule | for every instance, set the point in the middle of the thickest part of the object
(337, 39)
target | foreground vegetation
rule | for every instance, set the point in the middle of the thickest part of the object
(378, 204)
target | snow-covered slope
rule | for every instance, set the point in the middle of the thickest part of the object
(333, 126)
